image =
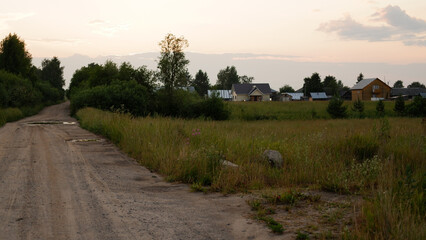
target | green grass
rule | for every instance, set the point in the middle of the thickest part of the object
(381, 159)
(10, 115)
(298, 110)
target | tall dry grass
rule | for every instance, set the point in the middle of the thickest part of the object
(382, 159)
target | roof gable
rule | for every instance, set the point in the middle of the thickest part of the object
(246, 88)
(365, 82)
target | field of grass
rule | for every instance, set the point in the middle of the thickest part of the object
(380, 159)
(299, 110)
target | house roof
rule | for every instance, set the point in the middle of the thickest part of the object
(246, 88)
(318, 95)
(407, 91)
(224, 94)
(295, 96)
(363, 83)
(423, 95)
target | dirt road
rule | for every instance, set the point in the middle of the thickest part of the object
(58, 181)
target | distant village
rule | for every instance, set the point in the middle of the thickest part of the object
(370, 89)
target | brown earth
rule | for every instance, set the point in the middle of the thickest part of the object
(58, 181)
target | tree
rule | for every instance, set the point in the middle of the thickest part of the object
(286, 88)
(246, 79)
(13, 56)
(52, 72)
(417, 108)
(380, 108)
(398, 84)
(416, 85)
(172, 63)
(330, 85)
(358, 106)
(360, 78)
(312, 84)
(226, 77)
(399, 105)
(336, 109)
(201, 83)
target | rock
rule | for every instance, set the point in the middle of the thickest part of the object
(229, 164)
(274, 158)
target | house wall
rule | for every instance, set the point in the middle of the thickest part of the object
(380, 91)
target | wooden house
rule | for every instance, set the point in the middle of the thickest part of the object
(370, 89)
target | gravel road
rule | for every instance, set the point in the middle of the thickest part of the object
(58, 181)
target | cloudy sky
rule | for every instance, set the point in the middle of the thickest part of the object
(329, 31)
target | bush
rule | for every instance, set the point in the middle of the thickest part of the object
(214, 108)
(399, 106)
(124, 96)
(380, 109)
(358, 106)
(417, 108)
(336, 109)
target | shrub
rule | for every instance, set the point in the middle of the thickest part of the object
(417, 108)
(399, 105)
(358, 106)
(214, 108)
(336, 109)
(380, 109)
(126, 96)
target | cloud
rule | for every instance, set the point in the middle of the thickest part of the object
(105, 28)
(396, 25)
(6, 18)
(55, 40)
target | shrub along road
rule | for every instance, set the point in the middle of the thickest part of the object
(58, 181)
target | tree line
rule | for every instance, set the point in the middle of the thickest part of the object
(21, 83)
(142, 92)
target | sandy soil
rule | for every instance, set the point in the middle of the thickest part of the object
(58, 181)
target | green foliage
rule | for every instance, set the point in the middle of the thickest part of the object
(126, 96)
(313, 84)
(226, 77)
(399, 106)
(172, 62)
(360, 78)
(53, 72)
(14, 58)
(336, 109)
(380, 108)
(358, 107)
(417, 108)
(398, 84)
(245, 79)
(416, 85)
(286, 88)
(214, 108)
(201, 83)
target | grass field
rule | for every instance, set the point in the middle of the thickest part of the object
(380, 159)
(302, 110)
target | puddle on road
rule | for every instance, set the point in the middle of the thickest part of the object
(85, 140)
(50, 123)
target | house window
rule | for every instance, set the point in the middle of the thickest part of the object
(376, 87)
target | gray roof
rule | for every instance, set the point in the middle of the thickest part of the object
(318, 95)
(407, 91)
(295, 96)
(224, 94)
(423, 95)
(246, 88)
(363, 83)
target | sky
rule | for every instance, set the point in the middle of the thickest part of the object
(307, 31)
